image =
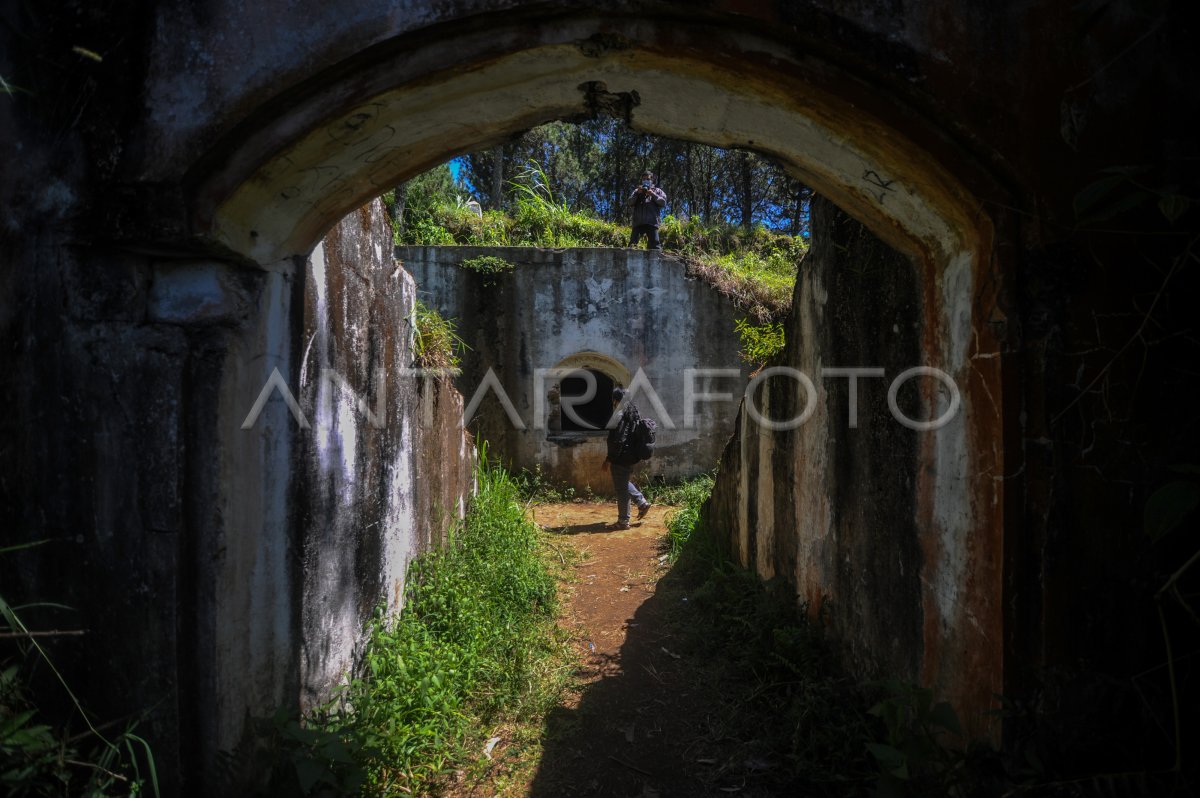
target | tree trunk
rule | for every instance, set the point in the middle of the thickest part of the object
(498, 177)
(401, 194)
(798, 196)
(746, 197)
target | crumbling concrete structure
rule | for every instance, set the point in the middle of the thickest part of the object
(165, 182)
(612, 312)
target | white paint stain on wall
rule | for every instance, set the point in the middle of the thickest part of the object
(952, 511)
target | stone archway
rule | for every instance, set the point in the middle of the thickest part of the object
(240, 153)
(269, 194)
(607, 368)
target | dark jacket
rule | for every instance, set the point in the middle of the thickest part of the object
(646, 207)
(620, 450)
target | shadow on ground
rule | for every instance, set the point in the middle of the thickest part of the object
(650, 724)
(585, 529)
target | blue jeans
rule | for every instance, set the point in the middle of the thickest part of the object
(649, 231)
(625, 489)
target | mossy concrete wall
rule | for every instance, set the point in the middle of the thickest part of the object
(615, 310)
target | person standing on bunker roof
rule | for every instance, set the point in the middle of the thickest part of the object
(622, 458)
(647, 201)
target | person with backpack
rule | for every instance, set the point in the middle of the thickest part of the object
(630, 440)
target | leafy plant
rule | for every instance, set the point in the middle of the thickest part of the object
(760, 342)
(913, 758)
(536, 488)
(312, 758)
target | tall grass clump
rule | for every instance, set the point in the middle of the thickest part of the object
(470, 646)
(436, 343)
(40, 756)
(682, 522)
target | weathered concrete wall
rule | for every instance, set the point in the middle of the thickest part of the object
(381, 479)
(852, 511)
(634, 307)
(220, 572)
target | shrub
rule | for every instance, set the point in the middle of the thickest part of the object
(760, 342)
(489, 266)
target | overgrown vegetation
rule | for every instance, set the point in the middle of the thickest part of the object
(38, 758)
(489, 266)
(474, 647)
(536, 488)
(786, 705)
(436, 344)
(687, 497)
(756, 267)
(790, 709)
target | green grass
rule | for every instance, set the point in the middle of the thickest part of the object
(436, 343)
(475, 646)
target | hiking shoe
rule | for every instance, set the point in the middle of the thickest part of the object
(645, 508)
(622, 525)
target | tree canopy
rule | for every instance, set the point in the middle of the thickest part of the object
(592, 167)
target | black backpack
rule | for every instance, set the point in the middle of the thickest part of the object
(641, 440)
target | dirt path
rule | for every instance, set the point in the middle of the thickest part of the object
(614, 737)
(644, 721)
(650, 716)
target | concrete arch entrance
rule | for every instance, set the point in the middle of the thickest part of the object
(276, 183)
(177, 255)
(268, 191)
